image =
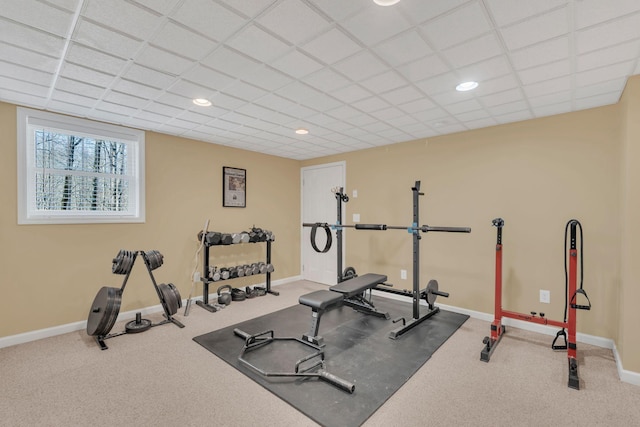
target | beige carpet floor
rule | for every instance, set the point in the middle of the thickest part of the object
(163, 378)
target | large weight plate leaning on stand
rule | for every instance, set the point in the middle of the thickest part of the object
(104, 311)
(171, 297)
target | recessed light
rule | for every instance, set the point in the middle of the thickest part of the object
(201, 102)
(302, 131)
(463, 87)
(385, 2)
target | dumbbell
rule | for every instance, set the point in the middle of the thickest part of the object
(244, 237)
(212, 238)
(240, 271)
(265, 268)
(226, 239)
(246, 270)
(224, 273)
(253, 236)
(270, 236)
(214, 274)
(235, 238)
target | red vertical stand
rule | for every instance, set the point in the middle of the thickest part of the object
(569, 323)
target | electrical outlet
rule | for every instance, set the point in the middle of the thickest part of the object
(403, 274)
(354, 194)
(356, 217)
(545, 296)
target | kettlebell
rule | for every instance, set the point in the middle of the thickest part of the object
(224, 298)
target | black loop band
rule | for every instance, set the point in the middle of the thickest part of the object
(327, 230)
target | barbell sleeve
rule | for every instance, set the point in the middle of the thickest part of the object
(427, 228)
(336, 381)
(440, 293)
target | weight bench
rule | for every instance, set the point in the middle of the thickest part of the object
(349, 292)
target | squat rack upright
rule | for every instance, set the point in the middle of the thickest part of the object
(429, 293)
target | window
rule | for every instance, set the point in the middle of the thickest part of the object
(73, 170)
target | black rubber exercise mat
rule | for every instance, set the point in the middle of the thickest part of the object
(358, 349)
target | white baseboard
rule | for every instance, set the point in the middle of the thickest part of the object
(625, 376)
(127, 315)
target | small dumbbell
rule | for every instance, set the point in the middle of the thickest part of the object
(226, 239)
(244, 237)
(212, 238)
(235, 238)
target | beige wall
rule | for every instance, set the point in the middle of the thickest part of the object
(51, 273)
(628, 337)
(536, 174)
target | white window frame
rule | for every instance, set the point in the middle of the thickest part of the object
(28, 120)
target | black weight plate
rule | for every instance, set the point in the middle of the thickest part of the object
(349, 273)
(134, 328)
(431, 286)
(169, 298)
(116, 266)
(176, 293)
(104, 311)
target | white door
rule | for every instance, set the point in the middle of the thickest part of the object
(319, 205)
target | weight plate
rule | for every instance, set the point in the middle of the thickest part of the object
(176, 293)
(431, 286)
(104, 311)
(349, 273)
(116, 266)
(134, 328)
(169, 298)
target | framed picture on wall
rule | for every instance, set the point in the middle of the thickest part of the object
(234, 187)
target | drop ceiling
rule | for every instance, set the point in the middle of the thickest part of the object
(355, 74)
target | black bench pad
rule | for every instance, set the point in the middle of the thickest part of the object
(359, 284)
(321, 299)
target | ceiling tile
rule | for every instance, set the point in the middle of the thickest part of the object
(190, 90)
(70, 5)
(503, 109)
(161, 6)
(208, 18)
(608, 34)
(205, 76)
(549, 86)
(516, 116)
(351, 93)
(31, 39)
(258, 44)
(177, 39)
(476, 50)
(147, 76)
(97, 60)
(361, 66)
(541, 53)
(163, 61)
(535, 30)
(125, 99)
(38, 15)
(500, 98)
(495, 67)
(608, 86)
(401, 95)
(592, 12)
(602, 74)
(122, 16)
(614, 54)
(296, 64)
(293, 20)
(26, 88)
(463, 24)
(442, 83)
(331, 46)
(326, 80)
(231, 62)
(597, 101)
(419, 11)
(369, 105)
(375, 24)
(384, 82)
(506, 12)
(266, 77)
(83, 74)
(463, 107)
(545, 72)
(297, 91)
(417, 105)
(552, 98)
(28, 58)
(249, 8)
(406, 47)
(340, 9)
(79, 87)
(92, 35)
(481, 123)
(551, 110)
(423, 68)
(496, 85)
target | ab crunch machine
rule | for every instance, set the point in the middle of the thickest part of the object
(571, 294)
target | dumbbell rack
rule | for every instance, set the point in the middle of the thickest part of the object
(206, 281)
